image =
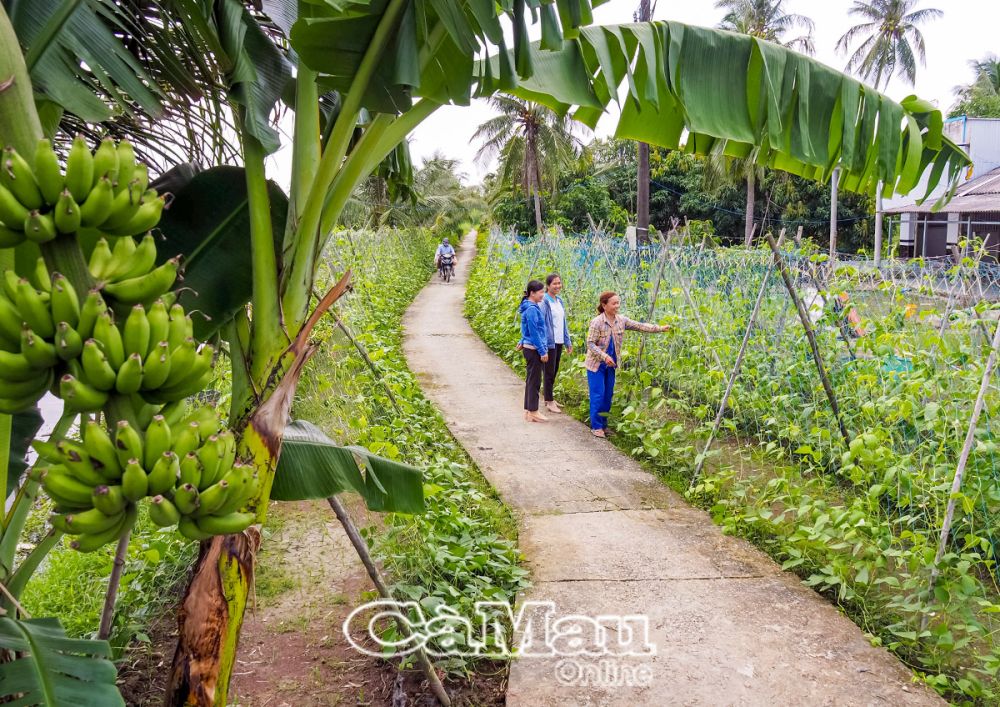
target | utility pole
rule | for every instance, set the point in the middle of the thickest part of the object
(878, 226)
(834, 186)
(644, 14)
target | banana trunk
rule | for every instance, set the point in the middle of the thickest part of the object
(211, 616)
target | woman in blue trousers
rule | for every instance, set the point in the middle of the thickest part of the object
(604, 346)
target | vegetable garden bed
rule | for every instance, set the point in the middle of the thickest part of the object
(860, 522)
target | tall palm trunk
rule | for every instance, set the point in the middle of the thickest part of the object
(534, 178)
(642, 170)
(751, 198)
(538, 210)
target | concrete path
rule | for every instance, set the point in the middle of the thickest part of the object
(603, 537)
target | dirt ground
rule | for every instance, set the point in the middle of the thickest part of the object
(293, 652)
(292, 649)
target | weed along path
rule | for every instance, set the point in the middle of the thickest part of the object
(603, 538)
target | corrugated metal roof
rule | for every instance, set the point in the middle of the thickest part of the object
(975, 196)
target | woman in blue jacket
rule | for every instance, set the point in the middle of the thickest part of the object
(557, 324)
(534, 347)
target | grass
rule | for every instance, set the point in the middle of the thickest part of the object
(464, 547)
(72, 585)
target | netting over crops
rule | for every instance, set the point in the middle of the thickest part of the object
(904, 347)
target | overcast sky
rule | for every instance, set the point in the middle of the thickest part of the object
(968, 30)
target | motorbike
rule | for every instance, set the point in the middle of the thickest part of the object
(446, 267)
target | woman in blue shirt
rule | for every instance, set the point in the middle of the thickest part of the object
(534, 347)
(556, 321)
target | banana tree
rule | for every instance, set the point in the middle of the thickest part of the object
(398, 61)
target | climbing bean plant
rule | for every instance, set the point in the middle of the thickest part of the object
(859, 521)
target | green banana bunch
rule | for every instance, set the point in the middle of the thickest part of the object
(183, 462)
(29, 336)
(211, 487)
(47, 334)
(44, 328)
(127, 272)
(151, 355)
(105, 189)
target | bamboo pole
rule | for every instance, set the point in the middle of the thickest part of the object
(951, 293)
(878, 226)
(979, 256)
(736, 367)
(694, 310)
(811, 336)
(963, 460)
(661, 263)
(371, 364)
(834, 192)
(362, 549)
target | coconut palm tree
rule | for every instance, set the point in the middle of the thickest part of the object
(987, 72)
(980, 97)
(531, 142)
(767, 19)
(890, 41)
(764, 19)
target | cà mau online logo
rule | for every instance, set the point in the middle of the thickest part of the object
(539, 630)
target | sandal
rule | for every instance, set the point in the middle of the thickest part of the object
(598, 433)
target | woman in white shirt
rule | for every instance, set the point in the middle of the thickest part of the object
(556, 321)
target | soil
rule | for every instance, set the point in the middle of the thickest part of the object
(142, 674)
(292, 649)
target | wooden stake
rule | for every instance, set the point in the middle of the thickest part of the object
(804, 318)
(661, 262)
(963, 460)
(694, 310)
(362, 549)
(371, 364)
(736, 367)
(108, 613)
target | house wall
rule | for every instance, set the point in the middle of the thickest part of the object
(984, 145)
(980, 137)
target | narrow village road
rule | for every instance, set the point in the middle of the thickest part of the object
(602, 537)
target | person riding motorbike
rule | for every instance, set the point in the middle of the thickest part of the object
(445, 248)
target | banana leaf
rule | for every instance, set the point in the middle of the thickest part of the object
(692, 86)
(313, 466)
(53, 669)
(23, 428)
(259, 73)
(684, 87)
(208, 224)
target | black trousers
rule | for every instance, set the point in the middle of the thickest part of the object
(551, 369)
(533, 379)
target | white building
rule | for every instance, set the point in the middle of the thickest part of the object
(975, 210)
